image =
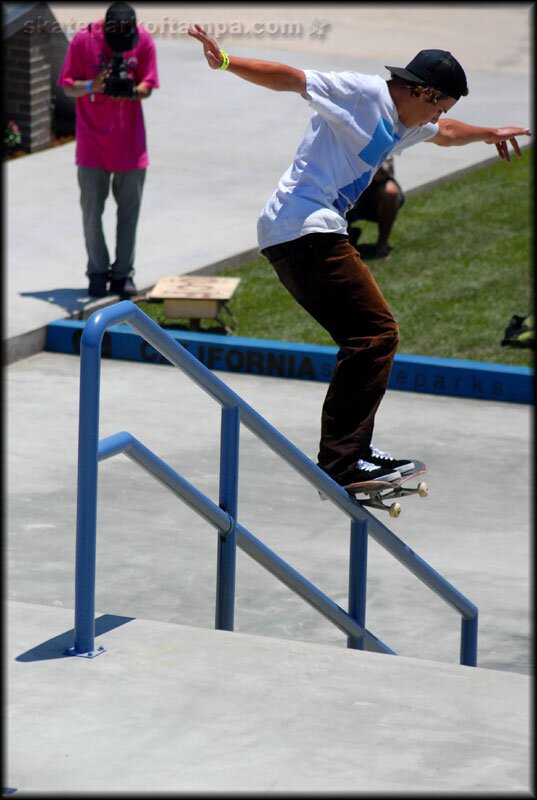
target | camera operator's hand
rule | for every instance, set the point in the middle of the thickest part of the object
(97, 84)
(141, 92)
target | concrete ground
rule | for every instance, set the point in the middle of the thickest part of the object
(280, 705)
(285, 692)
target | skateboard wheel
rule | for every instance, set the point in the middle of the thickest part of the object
(395, 510)
(423, 489)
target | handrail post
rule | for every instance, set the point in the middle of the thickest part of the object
(358, 579)
(86, 525)
(469, 642)
(227, 542)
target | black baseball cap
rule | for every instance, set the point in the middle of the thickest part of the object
(120, 29)
(436, 68)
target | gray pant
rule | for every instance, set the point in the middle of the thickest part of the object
(127, 188)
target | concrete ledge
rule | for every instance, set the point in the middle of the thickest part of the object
(455, 378)
(31, 342)
(24, 345)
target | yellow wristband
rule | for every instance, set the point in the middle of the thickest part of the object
(225, 60)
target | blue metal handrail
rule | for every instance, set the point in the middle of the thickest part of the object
(224, 517)
(126, 443)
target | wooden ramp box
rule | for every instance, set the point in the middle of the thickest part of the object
(195, 297)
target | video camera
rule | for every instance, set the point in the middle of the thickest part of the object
(118, 83)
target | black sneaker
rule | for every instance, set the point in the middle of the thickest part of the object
(366, 471)
(382, 459)
(97, 285)
(124, 287)
(380, 252)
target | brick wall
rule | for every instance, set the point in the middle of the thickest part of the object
(27, 87)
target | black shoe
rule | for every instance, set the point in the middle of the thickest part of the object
(366, 471)
(97, 285)
(124, 287)
(387, 461)
(381, 252)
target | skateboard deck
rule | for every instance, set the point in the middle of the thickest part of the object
(378, 491)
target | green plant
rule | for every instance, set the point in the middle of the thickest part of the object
(12, 136)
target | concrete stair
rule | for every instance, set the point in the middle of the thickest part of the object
(170, 707)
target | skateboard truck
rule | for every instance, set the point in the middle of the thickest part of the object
(378, 491)
(376, 497)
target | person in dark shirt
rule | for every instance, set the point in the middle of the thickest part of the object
(379, 203)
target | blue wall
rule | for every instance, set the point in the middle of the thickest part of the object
(443, 376)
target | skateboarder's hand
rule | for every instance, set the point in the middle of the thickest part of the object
(504, 135)
(210, 46)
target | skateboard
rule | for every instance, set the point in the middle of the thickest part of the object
(378, 491)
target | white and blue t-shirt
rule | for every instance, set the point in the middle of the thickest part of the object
(355, 127)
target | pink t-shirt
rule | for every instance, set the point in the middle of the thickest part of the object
(110, 134)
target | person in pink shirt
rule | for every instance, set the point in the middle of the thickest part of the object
(111, 148)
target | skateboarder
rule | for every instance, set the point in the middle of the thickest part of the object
(358, 121)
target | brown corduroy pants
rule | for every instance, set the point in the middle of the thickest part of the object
(326, 275)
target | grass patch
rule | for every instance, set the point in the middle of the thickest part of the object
(460, 269)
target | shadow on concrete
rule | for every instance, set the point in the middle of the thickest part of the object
(69, 299)
(56, 647)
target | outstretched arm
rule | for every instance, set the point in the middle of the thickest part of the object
(269, 74)
(452, 132)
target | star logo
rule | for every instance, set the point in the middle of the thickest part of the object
(319, 27)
